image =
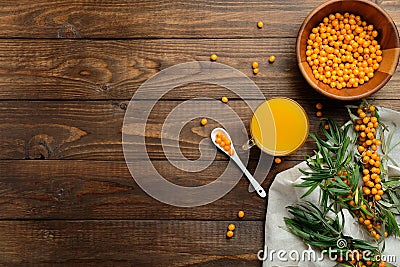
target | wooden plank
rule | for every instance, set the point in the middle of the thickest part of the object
(92, 129)
(147, 19)
(129, 243)
(73, 189)
(87, 69)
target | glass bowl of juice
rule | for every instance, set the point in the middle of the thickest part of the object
(279, 127)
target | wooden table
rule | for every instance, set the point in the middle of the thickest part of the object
(68, 71)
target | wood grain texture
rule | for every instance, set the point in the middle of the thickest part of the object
(67, 72)
(129, 243)
(166, 19)
(91, 130)
(73, 189)
(90, 70)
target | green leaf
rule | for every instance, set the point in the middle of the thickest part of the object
(309, 191)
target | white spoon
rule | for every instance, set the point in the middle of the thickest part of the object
(260, 191)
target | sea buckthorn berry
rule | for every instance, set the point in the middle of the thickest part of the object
(229, 234)
(318, 114)
(278, 160)
(231, 227)
(254, 65)
(213, 57)
(260, 24)
(272, 59)
(319, 106)
(203, 121)
(240, 214)
(224, 99)
(374, 191)
(255, 71)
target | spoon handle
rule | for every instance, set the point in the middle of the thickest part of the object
(260, 191)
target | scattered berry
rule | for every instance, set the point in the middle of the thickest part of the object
(260, 24)
(255, 71)
(229, 234)
(213, 57)
(224, 99)
(254, 65)
(231, 227)
(203, 121)
(241, 214)
(271, 59)
(278, 160)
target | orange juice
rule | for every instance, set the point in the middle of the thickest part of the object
(279, 126)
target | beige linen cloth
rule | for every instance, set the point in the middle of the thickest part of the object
(282, 193)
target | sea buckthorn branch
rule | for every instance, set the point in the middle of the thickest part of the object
(322, 230)
(368, 125)
(330, 168)
(350, 173)
(389, 206)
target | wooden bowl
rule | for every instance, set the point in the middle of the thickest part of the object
(388, 38)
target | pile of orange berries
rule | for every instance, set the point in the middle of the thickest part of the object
(342, 51)
(224, 142)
